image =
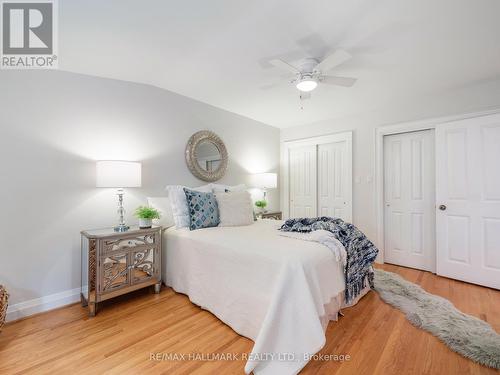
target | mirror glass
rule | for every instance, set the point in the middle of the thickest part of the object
(208, 156)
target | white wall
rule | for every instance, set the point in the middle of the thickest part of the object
(54, 125)
(458, 100)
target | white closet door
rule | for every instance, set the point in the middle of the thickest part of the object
(409, 194)
(335, 180)
(302, 177)
(468, 199)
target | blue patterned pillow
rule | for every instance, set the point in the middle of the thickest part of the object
(203, 209)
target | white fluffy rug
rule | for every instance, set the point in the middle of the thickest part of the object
(465, 334)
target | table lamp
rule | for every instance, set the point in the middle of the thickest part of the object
(118, 174)
(265, 181)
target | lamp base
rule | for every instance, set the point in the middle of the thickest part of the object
(121, 228)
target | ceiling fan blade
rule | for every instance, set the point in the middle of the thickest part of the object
(272, 85)
(305, 95)
(284, 65)
(333, 60)
(339, 81)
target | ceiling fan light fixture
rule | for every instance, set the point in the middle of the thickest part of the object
(307, 84)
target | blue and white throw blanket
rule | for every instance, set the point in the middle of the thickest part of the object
(361, 252)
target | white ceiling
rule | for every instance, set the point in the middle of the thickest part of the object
(217, 51)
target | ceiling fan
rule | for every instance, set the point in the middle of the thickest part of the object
(311, 72)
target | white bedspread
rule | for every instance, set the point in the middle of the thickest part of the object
(272, 289)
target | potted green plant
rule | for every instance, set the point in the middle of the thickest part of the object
(261, 205)
(146, 215)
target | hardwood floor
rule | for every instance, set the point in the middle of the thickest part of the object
(121, 338)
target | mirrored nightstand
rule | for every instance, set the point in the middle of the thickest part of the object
(117, 263)
(270, 215)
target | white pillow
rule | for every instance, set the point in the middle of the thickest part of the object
(218, 188)
(162, 204)
(235, 208)
(179, 204)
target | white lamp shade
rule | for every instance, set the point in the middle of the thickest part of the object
(265, 180)
(118, 174)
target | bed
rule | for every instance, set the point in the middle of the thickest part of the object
(278, 291)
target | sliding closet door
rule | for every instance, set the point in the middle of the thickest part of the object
(318, 177)
(335, 180)
(302, 178)
(468, 200)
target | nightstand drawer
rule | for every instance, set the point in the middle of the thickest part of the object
(127, 242)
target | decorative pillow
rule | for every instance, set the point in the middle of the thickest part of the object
(217, 188)
(178, 202)
(162, 204)
(203, 210)
(235, 208)
(227, 189)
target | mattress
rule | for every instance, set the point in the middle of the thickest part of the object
(278, 291)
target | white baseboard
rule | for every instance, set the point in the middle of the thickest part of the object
(45, 303)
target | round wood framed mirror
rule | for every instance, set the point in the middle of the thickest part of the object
(206, 156)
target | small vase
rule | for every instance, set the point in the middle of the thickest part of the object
(145, 223)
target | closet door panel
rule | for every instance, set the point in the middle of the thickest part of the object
(468, 199)
(409, 200)
(302, 179)
(334, 180)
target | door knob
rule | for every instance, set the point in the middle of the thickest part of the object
(442, 207)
